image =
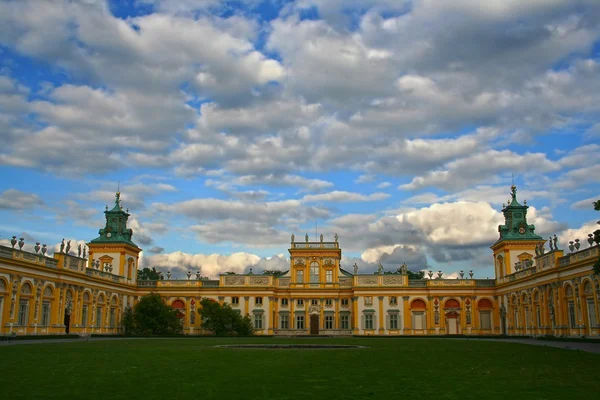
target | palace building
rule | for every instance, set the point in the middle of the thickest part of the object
(536, 291)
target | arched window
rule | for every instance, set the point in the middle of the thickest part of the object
(569, 291)
(314, 272)
(452, 303)
(418, 303)
(485, 303)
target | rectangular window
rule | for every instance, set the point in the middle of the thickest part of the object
(527, 317)
(284, 302)
(344, 302)
(368, 321)
(538, 316)
(328, 302)
(314, 273)
(591, 313)
(345, 321)
(113, 318)
(299, 276)
(23, 309)
(84, 317)
(300, 303)
(46, 313)
(284, 321)
(393, 301)
(329, 276)
(299, 321)
(258, 321)
(258, 301)
(314, 302)
(235, 300)
(98, 317)
(329, 322)
(572, 320)
(393, 321)
(516, 318)
(485, 320)
(369, 301)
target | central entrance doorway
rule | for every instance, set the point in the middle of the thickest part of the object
(452, 323)
(314, 324)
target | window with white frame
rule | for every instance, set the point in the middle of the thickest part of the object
(344, 302)
(46, 313)
(368, 321)
(284, 321)
(23, 311)
(299, 276)
(572, 319)
(235, 300)
(393, 321)
(329, 322)
(329, 276)
(345, 321)
(368, 300)
(258, 301)
(284, 302)
(258, 321)
(591, 313)
(84, 315)
(300, 303)
(299, 321)
(314, 302)
(314, 272)
(328, 302)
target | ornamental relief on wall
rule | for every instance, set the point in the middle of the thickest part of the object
(346, 282)
(284, 282)
(367, 280)
(259, 280)
(234, 280)
(393, 280)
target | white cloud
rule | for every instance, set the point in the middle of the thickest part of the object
(343, 196)
(13, 199)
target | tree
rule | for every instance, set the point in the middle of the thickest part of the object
(147, 274)
(597, 205)
(412, 276)
(151, 316)
(274, 272)
(128, 321)
(223, 320)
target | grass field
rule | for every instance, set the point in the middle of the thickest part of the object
(388, 368)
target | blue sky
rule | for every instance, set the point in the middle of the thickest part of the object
(230, 125)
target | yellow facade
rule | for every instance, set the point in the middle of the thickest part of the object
(545, 293)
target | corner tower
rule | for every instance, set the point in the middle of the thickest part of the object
(113, 251)
(517, 240)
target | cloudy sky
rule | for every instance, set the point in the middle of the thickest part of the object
(230, 125)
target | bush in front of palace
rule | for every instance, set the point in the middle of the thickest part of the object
(151, 316)
(223, 320)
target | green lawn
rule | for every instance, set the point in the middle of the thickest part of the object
(389, 368)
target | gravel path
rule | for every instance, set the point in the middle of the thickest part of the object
(581, 346)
